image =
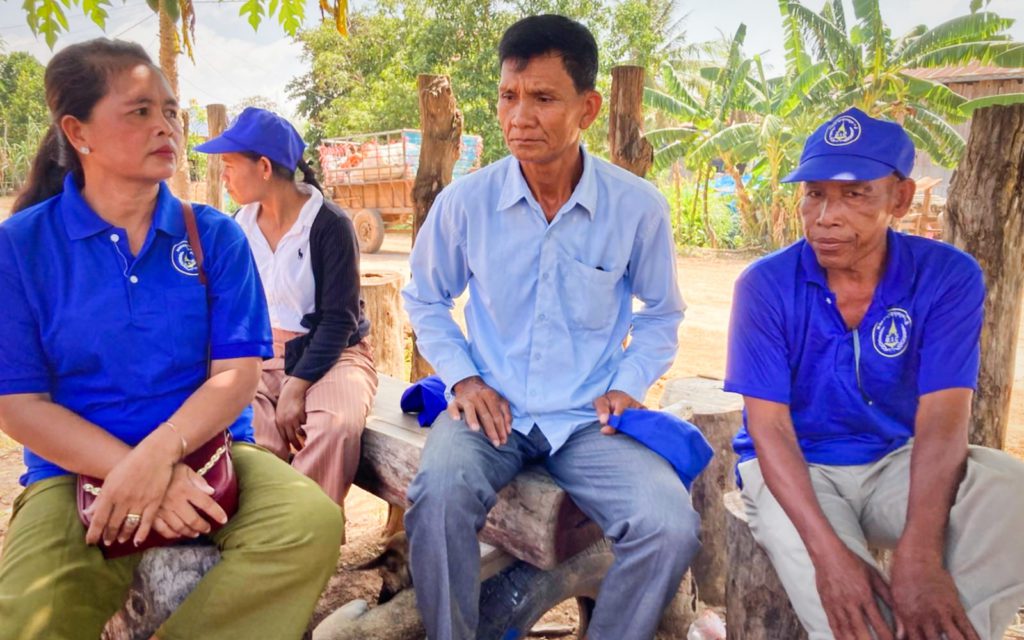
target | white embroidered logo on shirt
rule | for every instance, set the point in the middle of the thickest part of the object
(891, 334)
(183, 259)
(845, 130)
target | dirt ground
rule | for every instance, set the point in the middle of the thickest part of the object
(707, 282)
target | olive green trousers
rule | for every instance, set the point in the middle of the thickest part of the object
(277, 552)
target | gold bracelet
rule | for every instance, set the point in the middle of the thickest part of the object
(184, 442)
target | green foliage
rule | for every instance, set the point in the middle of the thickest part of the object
(367, 82)
(726, 111)
(196, 161)
(48, 18)
(23, 116)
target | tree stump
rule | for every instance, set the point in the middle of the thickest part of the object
(756, 607)
(985, 216)
(164, 578)
(719, 416)
(381, 291)
(681, 612)
(629, 148)
(216, 122)
(441, 127)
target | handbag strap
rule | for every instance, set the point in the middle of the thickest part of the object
(192, 230)
(193, 237)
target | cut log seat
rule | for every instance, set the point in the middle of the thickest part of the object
(757, 607)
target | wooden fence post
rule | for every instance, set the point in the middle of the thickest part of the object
(629, 149)
(216, 122)
(985, 211)
(441, 128)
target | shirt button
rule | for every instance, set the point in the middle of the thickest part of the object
(544, 277)
(541, 317)
(536, 356)
(114, 237)
(828, 300)
(134, 279)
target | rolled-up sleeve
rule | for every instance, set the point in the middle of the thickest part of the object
(655, 326)
(440, 273)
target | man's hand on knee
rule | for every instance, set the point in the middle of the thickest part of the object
(927, 600)
(613, 403)
(483, 407)
(848, 587)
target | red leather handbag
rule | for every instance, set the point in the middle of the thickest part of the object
(212, 461)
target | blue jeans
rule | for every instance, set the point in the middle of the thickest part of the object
(632, 493)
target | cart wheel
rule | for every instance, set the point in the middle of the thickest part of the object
(514, 600)
(369, 229)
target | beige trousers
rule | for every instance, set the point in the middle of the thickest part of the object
(336, 409)
(867, 506)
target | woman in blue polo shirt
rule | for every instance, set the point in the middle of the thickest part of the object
(315, 393)
(104, 343)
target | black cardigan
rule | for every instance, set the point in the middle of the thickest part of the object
(339, 319)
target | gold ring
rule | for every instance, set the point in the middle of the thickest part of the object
(132, 519)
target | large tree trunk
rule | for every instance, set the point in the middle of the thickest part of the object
(985, 212)
(216, 122)
(441, 128)
(629, 149)
(169, 52)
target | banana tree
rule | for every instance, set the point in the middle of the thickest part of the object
(733, 113)
(709, 109)
(872, 70)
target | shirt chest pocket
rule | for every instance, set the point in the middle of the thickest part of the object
(589, 294)
(191, 327)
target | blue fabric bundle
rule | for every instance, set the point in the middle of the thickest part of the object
(426, 398)
(676, 440)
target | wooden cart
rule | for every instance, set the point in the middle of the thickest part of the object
(371, 176)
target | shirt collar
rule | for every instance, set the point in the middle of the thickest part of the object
(82, 222)
(900, 269)
(516, 189)
(312, 206)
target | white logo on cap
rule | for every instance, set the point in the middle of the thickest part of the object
(184, 259)
(891, 334)
(844, 130)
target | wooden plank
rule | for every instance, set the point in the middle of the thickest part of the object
(534, 520)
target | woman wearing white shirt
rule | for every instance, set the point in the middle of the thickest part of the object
(316, 392)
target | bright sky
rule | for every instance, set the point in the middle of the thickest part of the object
(233, 62)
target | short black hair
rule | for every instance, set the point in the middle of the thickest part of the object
(550, 33)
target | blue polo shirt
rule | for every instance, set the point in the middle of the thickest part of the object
(121, 340)
(853, 395)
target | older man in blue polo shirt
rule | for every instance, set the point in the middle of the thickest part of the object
(856, 351)
(553, 245)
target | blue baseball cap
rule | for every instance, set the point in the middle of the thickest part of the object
(425, 398)
(678, 441)
(259, 131)
(855, 146)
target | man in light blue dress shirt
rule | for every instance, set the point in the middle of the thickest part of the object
(553, 244)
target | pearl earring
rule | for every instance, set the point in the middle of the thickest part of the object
(85, 150)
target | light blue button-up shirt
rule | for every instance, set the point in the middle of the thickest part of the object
(549, 304)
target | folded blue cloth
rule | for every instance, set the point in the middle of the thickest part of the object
(426, 398)
(674, 439)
